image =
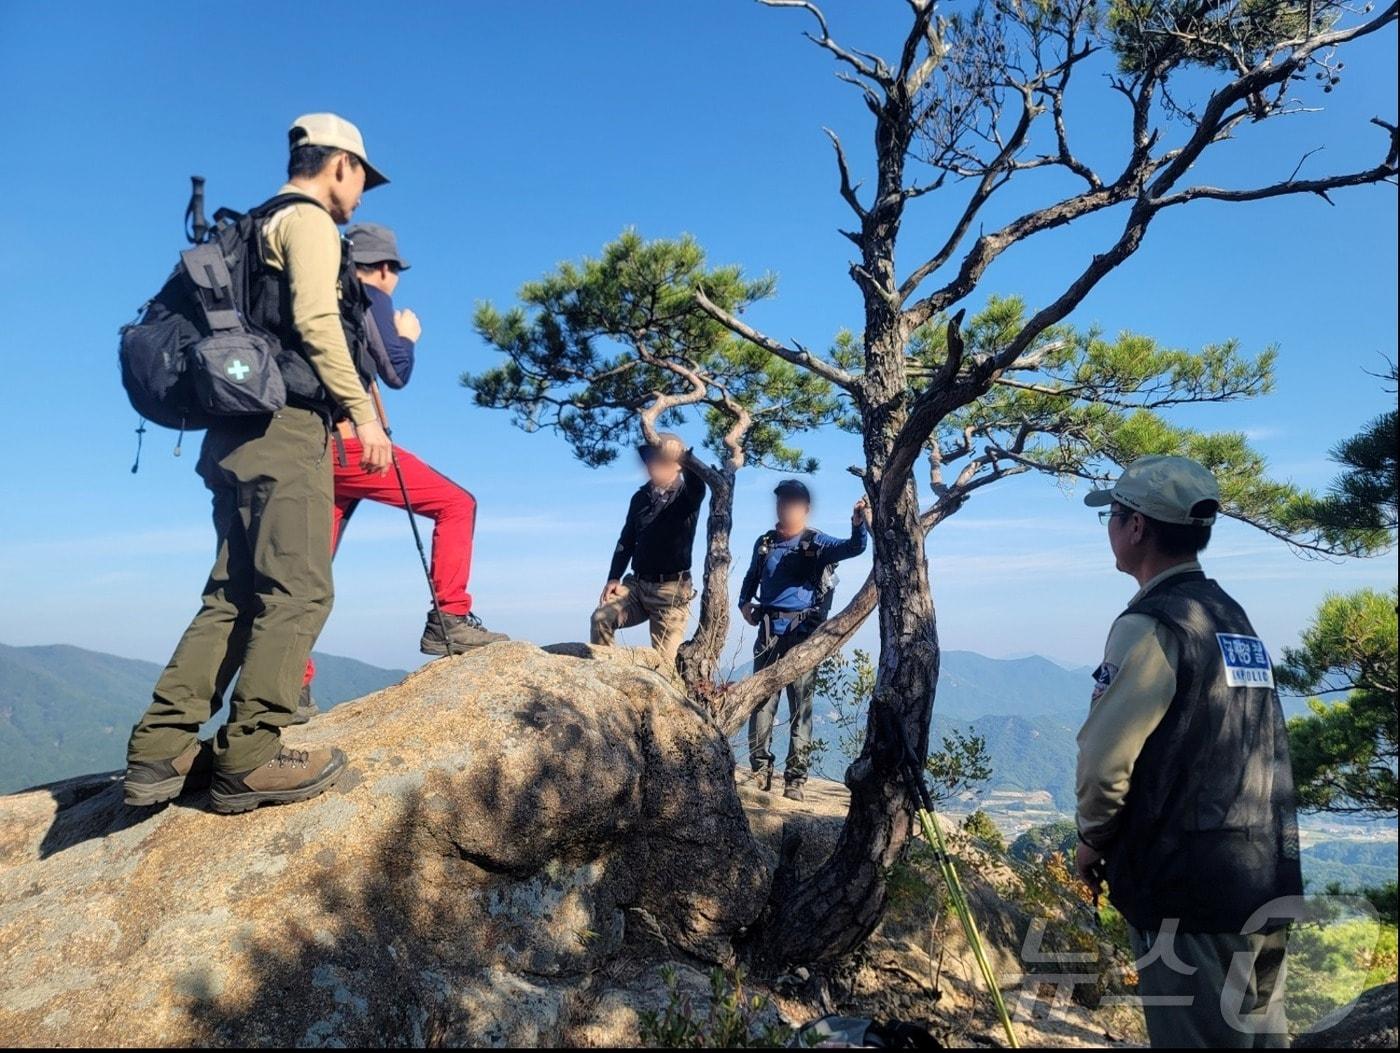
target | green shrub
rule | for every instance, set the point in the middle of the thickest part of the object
(731, 1020)
(979, 826)
(1331, 962)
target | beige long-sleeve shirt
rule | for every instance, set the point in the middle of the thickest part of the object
(302, 241)
(1132, 690)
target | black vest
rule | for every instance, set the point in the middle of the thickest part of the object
(1209, 831)
(270, 310)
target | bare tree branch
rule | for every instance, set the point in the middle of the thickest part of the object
(848, 190)
(661, 401)
(995, 176)
(822, 368)
(1382, 172)
(1267, 73)
(868, 66)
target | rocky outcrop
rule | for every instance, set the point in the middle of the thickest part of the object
(512, 818)
(1371, 1022)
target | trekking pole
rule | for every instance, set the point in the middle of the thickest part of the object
(196, 226)
(956, 896)
(412, 518)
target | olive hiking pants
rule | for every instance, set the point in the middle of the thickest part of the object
(267, 596)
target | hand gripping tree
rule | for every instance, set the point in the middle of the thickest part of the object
(607, 351)
(977, 96)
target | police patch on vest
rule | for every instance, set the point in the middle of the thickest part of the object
(1246, 661)
(1103, 676)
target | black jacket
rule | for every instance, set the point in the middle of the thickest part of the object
(1209, 831)
(658, 538)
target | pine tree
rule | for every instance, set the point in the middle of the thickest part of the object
(608, 350)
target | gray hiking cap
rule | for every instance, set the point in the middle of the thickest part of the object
(370, 244)
(1170, 489)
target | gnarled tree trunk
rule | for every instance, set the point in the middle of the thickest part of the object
(701, 657)
(834, 910)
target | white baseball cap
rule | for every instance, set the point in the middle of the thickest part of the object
(329, 129)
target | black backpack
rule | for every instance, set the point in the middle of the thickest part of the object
(193, 356)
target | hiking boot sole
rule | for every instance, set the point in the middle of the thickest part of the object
(150, 794)
(438, 648)
(233, 803)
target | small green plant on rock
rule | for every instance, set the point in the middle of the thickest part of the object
(733, 1019)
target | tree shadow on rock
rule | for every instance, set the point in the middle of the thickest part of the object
(472, 919)
(350, 974)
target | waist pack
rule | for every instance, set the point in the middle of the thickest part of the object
(192, 356)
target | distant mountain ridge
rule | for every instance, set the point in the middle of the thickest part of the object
(1027, 753)
(66, 710)
(1028, 709)
(971, 685)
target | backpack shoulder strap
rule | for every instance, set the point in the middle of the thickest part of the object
(281, 201)
(249, 225)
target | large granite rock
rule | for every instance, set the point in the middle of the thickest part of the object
(511, 816)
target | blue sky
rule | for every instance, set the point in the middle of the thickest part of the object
(521, 134)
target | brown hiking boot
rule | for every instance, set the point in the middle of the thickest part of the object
(155, 782)
(291, 776)
(792, 789)
(455, 633)
(306, 706)
(762, 777)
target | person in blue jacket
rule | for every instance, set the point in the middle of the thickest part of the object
(787, 594)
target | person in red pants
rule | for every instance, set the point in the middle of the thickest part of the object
(452, 508)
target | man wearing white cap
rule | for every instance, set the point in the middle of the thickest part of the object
(1185, 787)
(269, 592)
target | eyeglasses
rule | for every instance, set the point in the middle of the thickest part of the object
(1108, 515)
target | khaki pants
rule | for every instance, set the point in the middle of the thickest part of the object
(665, 604)
(1212, 991)
(267, 596)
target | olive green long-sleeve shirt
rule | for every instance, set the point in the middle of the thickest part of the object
(1133, 688)
(302, 241)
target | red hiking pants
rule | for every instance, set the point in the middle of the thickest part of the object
(451, 508)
